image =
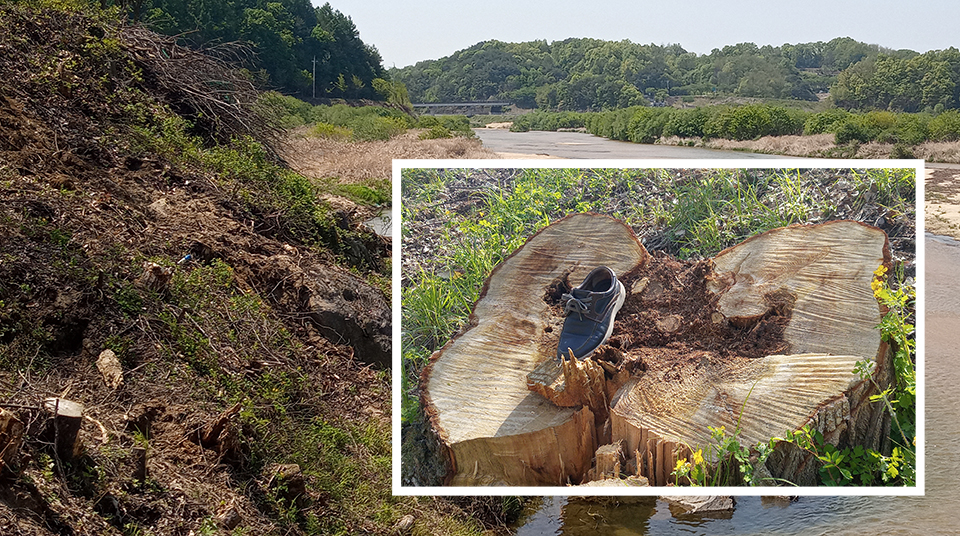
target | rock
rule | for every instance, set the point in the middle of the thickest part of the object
(780, 501)
(359, 317)
(110, 369)
(699, 505)
(288, 482)
(230, 517)
(155, 277)
(405, 524)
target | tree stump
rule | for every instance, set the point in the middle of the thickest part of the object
(66, 419)
(763, 337)
(11, 437)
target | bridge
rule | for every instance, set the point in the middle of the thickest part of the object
(461, 108)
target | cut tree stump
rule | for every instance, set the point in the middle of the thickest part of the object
(766, 334)
(11, 437)
(66, 419)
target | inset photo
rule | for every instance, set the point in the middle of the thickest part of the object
(658, 328)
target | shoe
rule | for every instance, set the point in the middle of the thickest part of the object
(590, 310)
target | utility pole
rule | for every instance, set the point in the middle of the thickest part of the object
(314, 77)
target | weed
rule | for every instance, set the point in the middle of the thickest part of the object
(374, 193)
(326, 130)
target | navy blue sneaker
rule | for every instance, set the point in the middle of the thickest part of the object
(590, 310)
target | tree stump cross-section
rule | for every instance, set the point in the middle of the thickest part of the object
(763, 337)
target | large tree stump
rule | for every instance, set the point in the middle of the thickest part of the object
(764, 336)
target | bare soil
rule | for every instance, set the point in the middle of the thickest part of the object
(669, 313)
(294, 332)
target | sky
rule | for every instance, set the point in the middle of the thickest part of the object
(417, 30)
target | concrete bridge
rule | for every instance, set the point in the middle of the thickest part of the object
(461, 108)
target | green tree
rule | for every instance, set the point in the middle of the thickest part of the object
(287, 36)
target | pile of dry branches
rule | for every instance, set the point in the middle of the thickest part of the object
(206, 87)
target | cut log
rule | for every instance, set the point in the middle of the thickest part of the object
(66, 419)
(762, 339)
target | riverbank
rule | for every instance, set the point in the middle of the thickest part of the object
(813, 146)
(942, 201)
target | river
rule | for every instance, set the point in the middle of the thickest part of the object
(583, 145)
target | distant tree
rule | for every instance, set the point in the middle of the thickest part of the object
(899, 83)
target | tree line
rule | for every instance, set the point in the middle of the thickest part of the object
(644, 124)
(595, 75)
(285, 36)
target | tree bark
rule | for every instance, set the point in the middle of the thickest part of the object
(784, 318)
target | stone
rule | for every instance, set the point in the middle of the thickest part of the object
(109, 366)
(699, 505)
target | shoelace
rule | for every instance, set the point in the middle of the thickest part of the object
(576, 304)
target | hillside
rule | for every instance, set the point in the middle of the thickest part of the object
(225, 329)
(290, 45)
(593, 75)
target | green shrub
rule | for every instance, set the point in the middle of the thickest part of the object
(687, 123)
(326, 130)
(902, 151)
(852, 129)
(290, 112)
(436, 132)
(945, 127)
(646, 125)
(370, 128)
(753, 121)
(826, 121)
(445, 126)
(882, 126)
(550, 121)
(614, 124)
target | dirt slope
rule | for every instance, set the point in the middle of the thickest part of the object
(270, 317)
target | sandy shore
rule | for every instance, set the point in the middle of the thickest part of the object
(942, 203)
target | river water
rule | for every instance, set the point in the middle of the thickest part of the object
(934, 513)
(582, 145)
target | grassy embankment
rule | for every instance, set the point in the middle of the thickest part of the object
(688, 214)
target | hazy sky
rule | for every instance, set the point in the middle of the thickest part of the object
(416, 30)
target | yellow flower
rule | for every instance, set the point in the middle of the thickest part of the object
(698, 457)
(881, 271)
